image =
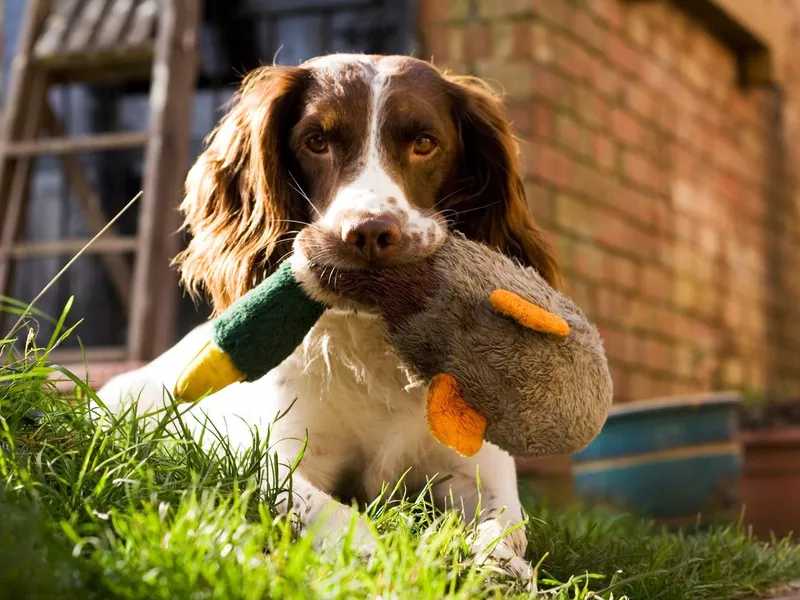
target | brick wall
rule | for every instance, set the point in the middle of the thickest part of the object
(666, 187)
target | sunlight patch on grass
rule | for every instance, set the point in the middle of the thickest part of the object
(132, 506)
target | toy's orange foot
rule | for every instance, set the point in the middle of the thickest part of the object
(451, 420)
(528, 314)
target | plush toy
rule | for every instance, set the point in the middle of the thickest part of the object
(506, 358)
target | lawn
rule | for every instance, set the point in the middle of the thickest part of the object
(118, 510)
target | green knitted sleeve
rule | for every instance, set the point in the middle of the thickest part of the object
(263, 327)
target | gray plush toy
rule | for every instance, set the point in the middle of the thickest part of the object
(507, 358)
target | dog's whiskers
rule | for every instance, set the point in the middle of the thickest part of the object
(299, 190)
(448, 196)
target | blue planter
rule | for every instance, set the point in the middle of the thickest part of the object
(669, 459)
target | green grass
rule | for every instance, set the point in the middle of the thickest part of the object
(117, 510)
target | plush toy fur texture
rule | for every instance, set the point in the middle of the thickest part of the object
(253, 336)
(277, 312)
(541, 394)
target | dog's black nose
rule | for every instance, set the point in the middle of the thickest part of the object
(376, 236)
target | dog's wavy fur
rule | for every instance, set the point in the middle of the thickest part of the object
(240, 206)
(348, 393)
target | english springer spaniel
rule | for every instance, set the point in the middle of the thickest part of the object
(370, 159)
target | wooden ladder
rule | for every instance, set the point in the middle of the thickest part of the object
(106, 41)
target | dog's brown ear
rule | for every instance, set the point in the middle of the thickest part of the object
(490, 180)
(238, 194)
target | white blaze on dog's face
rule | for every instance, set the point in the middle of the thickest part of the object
(375, 143)
(348, 162)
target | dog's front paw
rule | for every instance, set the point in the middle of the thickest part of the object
(499, 551)
(342, 524)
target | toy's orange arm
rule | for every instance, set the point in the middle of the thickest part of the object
(454, 422)
(527, 314)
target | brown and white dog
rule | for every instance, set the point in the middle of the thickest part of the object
(371, 159)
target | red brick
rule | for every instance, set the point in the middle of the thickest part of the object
(664, 49)
(595, 185)
(520, 40)
(575, 216)
(613, 341)
(543, 43)
(587, 259)
(540, 201)
(571, 134)
(612, 305)
(552, 165)
(641, 386)
(622, 388)
(638, 29)
(589, 32)
(640, 100)
(651, 143)
(436, 43)
(583, 294)
(617, 232)
(662, 218)
(625, 128)
(519, 115)
(477, 42)
(623, 55)
(659, 355)
(655, 283)
(666, 322)
(606, 80)
(591, 107)
(432, 11)
(542, 118)
(653, 75)
(605, 151)
(641, 171)
(549, 11)
(551, 86)
(608, 11)
(634, 349)
(491, 9)
(624, 273)
(571, 57)
(633, 203)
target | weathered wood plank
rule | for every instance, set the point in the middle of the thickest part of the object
(112, 244)
(100, 65)
(119, 272)
(93, 355)
(114, 23)
(144, 21)
(118, 140)
(57, 26)
(155, 285)
(14, 214)
(19, 90)
(85, 28)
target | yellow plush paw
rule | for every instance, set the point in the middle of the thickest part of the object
(451, 420)
(209, 371)
(527, 314)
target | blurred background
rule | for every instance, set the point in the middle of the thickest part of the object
(660, 139)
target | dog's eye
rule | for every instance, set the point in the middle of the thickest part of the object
(424, 145)
(317, 144)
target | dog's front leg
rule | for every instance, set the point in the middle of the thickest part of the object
(484, 489)
(315, 511)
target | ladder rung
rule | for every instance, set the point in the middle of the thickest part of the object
(105, 245)
(67, 145)
(92, 353)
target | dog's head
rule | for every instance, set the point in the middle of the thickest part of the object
(370, 159)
